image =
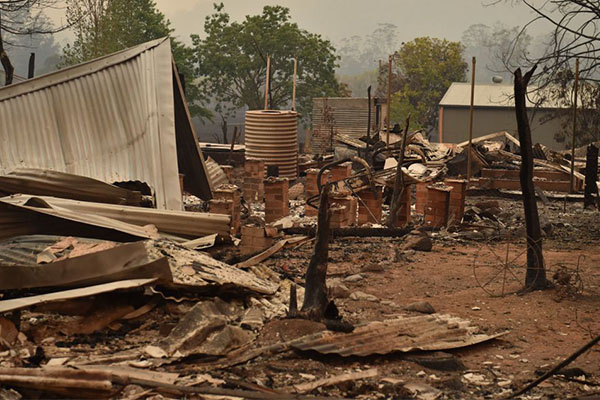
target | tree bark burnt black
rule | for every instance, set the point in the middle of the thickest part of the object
(9, 70)
(535, 277)
(591, 177)
(315, 295)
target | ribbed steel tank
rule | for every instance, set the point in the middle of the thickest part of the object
(271, 136)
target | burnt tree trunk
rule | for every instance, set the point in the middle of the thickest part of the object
(315, 295)
(9, 70)
(591, 177)
(535, 277)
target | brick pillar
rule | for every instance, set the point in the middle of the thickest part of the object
(228, 169)
(338, 216)
(224, 206)
(254, 239)
(404, 212)
(421, 197)
(277, 203)
(254, 174)
(231, 193)
(369, 201)
(351, 204)
(341, 171)
(436, 211)
(456, 206)
(311, 189)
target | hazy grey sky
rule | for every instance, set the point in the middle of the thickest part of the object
(336, 19)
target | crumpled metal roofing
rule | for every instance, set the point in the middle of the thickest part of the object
(112, 119)
(404, 334)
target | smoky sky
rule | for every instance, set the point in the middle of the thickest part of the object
(337, 19)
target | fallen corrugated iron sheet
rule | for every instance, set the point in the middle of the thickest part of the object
(428, 332)
(189, 269)
(195, 270)
(216, 173)
(122, 262)
(121, 117)
(24, 302)
(28, 215)
(168, 221)
(67, 186)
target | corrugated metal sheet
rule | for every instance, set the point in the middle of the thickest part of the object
(68, 186)
(216, 173)
(185, 223)
(490, 95)
(27, 215)
(272, 136)
(427, 332)
(346, 115)
(111, 119)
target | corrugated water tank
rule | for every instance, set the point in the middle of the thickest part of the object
(271, 136)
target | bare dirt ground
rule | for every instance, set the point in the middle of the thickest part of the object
(543, 327)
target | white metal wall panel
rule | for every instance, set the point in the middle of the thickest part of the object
(111, 119)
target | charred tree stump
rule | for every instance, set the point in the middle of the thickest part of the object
(591, 177)
(535, 277)
(315, 295)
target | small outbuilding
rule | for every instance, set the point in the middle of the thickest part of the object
(494, 111)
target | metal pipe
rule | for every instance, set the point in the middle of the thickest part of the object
(471, 121)
(369, 117)
(572, 180)
(267, 82)
(294, 85)
(389, 99)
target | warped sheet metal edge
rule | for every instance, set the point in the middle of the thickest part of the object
(121, 262)
(111, 119)
(59, 184)
(24, 302)
(176, 222)
(26, 203)
(428, 332)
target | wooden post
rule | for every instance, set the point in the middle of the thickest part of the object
(389, 99)
(294, 85)
(31, 70)
(591, 177)
(535, 277)
(399, 187)
(572, 187)
(267, 83)
(471, 120)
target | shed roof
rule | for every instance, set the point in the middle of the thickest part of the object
(121, 117)
(489, 95)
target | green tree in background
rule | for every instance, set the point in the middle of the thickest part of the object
(422, 71)
(232, 61)
(106, 26)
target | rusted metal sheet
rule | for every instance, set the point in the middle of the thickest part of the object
(428, 332)
(272, 136)
(342, 115)
(26, 215)
(68, 186)
(113, 119)
(183, 223)
(127, 261)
